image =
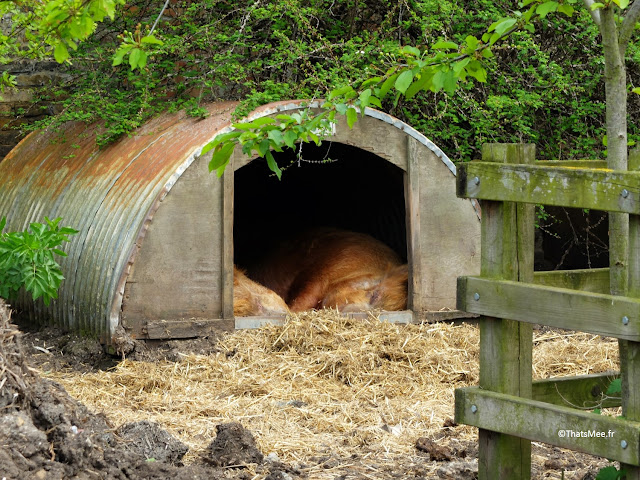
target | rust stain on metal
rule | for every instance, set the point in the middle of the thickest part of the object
(108, 194)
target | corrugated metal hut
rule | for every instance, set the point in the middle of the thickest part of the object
(159, 235)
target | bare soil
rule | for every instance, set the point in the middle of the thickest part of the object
(46, 434)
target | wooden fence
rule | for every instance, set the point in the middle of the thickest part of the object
(509, 409)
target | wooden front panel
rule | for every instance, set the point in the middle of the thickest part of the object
(177, 275)
(444, 231)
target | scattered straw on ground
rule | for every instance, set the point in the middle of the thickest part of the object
(560, 353)
(322, 384)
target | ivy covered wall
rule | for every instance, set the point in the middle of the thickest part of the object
(545, 86)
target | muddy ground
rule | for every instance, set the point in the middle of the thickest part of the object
(46, 434)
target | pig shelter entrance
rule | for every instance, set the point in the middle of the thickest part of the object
(380, 177)
(333, 185)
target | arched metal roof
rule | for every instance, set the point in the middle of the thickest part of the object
(110, 195)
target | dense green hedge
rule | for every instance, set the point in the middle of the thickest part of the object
(546, 87)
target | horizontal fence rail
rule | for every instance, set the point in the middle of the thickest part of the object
(610, 437)
(583, 391)
(509, 408)
(601, 314)
(594, 280)
(596, 188)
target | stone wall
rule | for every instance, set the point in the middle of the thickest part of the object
(17, 105)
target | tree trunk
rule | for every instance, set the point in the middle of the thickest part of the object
(616, 97)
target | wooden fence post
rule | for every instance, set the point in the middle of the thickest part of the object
(505, 401)
(505, 345)
(630, 351)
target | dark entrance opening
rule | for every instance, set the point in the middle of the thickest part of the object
(336, 185)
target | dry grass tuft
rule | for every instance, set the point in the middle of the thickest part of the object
(560, 353)
(321, 384)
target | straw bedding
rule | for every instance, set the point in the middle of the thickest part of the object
(323, 386)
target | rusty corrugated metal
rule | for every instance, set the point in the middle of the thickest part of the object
(106, 194)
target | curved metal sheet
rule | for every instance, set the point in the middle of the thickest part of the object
(110, 195)
(106, 194)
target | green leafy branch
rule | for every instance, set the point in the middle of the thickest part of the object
(620, 3)
(611, 473)
(137, 47)
(265, 134)
(64, 23)
(27, 259)
(53, 27)
(7, 81)
(440, 68)
(56, 27)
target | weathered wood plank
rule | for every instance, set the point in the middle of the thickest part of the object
(186, 328)
(582, 391)
(415, 247)
(243, 323)
(630, 352)
(553, 424)
(177, 271)
(457, 316)
(436, 218)
(601, 189)
(226, 277)
(601, 314)
(405, 316)
(599, 164)
(505, 345)
(402, 317)
(628, 281)
(594, 280)
(634, 237)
